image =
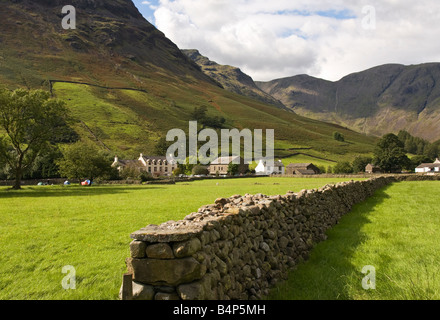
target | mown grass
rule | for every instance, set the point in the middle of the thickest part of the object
(43, 229)
(396, 232)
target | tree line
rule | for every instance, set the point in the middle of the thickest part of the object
(391, 155)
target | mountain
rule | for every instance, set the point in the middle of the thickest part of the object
(231, 78)
(126, 85)
(113, 44)
(384, 99)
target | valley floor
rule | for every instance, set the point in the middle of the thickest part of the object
(43, 229)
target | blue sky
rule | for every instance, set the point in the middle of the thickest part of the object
(281, 38)
(145, 8)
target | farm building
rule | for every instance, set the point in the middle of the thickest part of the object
(429, 167)
(370, 168)
(220, 165)
(264, 168)
(302, 169)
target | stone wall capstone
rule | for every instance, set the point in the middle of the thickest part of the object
(238, 247)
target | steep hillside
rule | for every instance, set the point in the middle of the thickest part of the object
(231, 78)
(112, 45)
(126, 84)
(383, 99)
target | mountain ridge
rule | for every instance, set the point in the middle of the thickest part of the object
(231, 78)
(382, 99)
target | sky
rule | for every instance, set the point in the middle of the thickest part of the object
(281, 38)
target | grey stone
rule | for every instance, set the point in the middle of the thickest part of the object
(168, 233)
(142, 291)
(187, 248)
(264, 246)
(283, 242)
(137, 249)
(166, 289)
(191, 291)
(166, 272)
(159, 251)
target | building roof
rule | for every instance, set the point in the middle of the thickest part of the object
(429, 165)
(305, 171)
(278, 163)
(372, 166)
(299, 165)
(153, 158)
(125, 163)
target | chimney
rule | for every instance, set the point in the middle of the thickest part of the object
(116, 159)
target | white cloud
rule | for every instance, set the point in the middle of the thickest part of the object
(280, 38)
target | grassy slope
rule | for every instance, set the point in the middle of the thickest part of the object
(391, 231)
(129, 122)
(43, 229)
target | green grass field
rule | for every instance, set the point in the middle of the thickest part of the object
(397, 232)
(43, 229)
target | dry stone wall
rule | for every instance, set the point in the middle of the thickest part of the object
(238, 247)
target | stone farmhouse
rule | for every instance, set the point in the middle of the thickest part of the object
(264, 169)
(155, 165)
(220, 165)
(302, 169)
(429, 167)
(370, 168)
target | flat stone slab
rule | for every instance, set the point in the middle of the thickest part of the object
(168, 232)
(165, 272)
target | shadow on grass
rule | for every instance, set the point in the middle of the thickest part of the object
(327, 273)
(70, 191)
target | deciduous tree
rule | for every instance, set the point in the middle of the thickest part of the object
(85, 161)
(390, 155)
(30, 121)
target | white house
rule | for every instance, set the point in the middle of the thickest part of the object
(429, 167)
(264, 169)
